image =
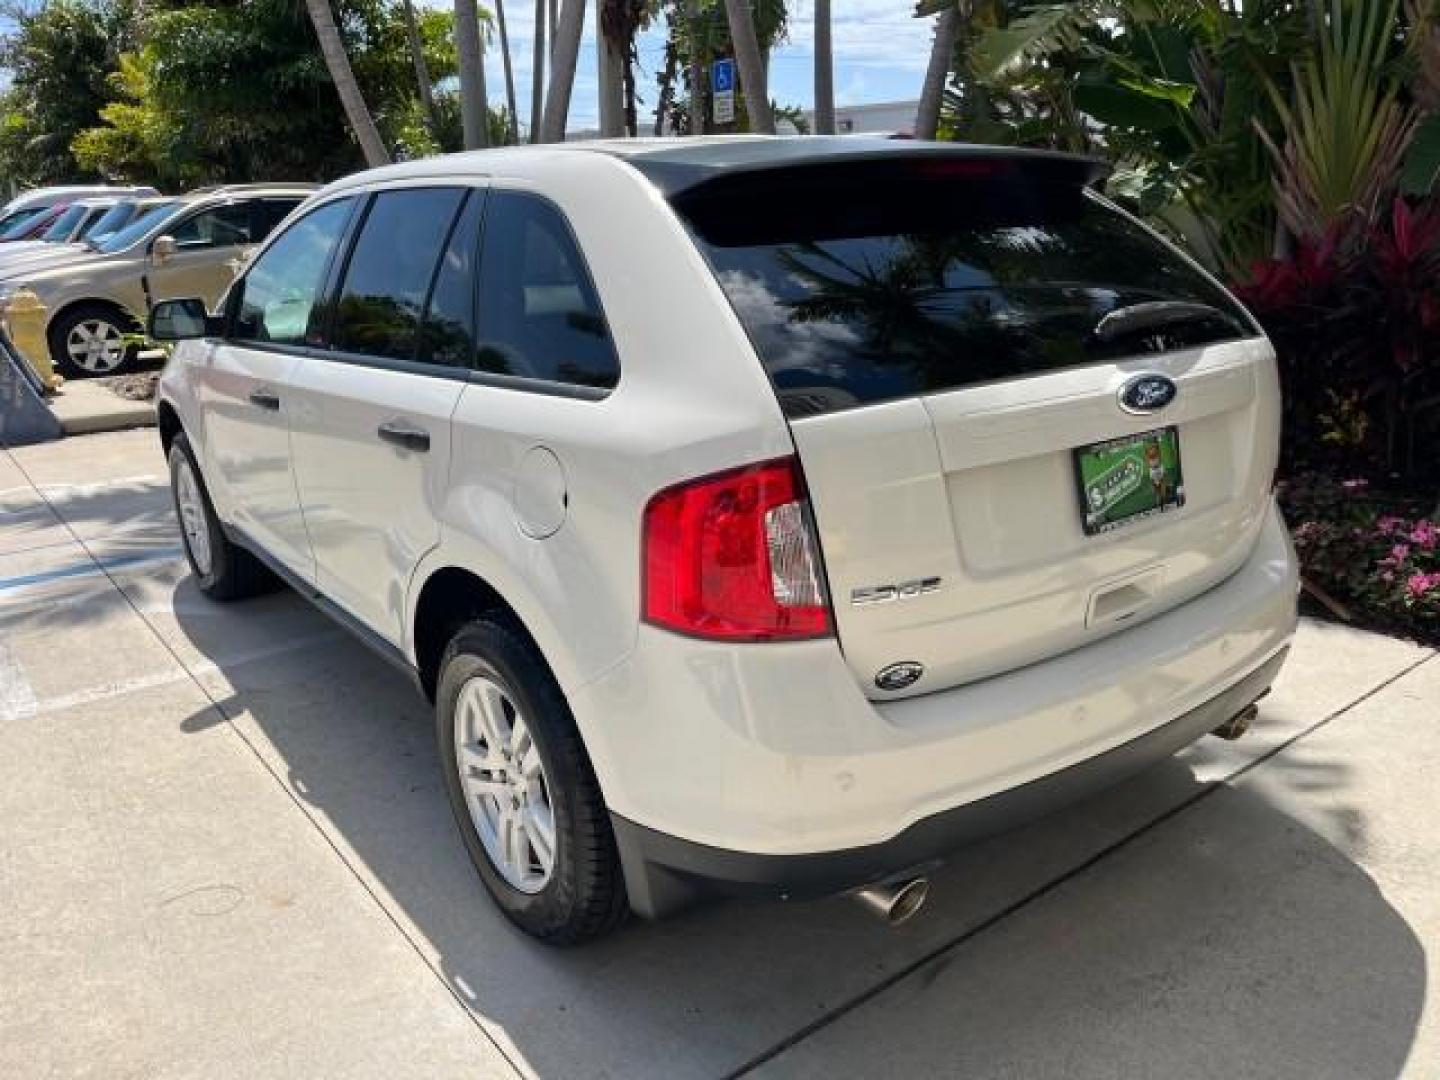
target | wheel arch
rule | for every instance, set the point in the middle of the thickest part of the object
(109, 303)
(167, 419)
(450, 597)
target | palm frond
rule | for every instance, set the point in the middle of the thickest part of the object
(1043, 29)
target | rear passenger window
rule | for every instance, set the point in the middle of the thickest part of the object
(540, 317)
(277, 299)
(390, 271)
(448, 333)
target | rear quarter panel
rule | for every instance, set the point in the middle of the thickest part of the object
(692, 399)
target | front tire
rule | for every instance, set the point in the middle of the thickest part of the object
(522, 789)
(224, 571)
(91, 340)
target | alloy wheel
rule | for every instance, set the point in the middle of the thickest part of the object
(504, 783)
(193, 521)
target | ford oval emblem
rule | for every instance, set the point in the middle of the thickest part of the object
(899, 676)
(1147, 393)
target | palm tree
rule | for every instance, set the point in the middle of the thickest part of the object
(932, 91)
(564, 53)
(611, 59)
(824, 71)
(697, 68)
(537, 74)
(474, 109)
(751, 65)
(343, 76)
(422, 69)
(509, 72)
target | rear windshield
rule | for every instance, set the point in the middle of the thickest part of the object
(859, 285)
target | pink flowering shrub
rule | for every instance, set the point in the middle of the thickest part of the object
(1382, 564)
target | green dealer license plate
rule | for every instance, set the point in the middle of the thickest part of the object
(1127, 479)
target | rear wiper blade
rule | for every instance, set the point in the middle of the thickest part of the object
(1157, 314)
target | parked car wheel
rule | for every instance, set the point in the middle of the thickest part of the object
(90, 340)
(522, 788)
(224, 571)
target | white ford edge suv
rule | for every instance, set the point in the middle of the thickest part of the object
(764, 517)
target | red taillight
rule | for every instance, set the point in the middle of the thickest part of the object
(733, 557)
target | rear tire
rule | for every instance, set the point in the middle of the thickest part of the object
(223, 570)
(578, 894)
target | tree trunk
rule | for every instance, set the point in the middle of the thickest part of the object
(564, 53)
(514, 119)
(824, 71)
(474, 109)
(537, 74)
(422, 69)
(343, 76)
(751, 65)
(932, 91)
(610, 62)
(697, 69)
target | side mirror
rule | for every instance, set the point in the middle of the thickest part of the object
(180, 320)
(162, 248)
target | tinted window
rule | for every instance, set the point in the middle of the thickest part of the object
(138, 228)
(65, 224)
(220, 226)
(114, 218)
(267, 213)
(90, 227)
(17, 225)
(390, 270)
(9, 221)
(539, 315)
(447, 336)
(277, 299)
(857, 286)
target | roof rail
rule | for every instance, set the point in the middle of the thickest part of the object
(282, 185)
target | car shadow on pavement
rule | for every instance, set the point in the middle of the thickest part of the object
(1227, 938)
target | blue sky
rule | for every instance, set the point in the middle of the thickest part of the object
(880, 54)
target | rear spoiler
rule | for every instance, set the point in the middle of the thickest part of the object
(688, 168)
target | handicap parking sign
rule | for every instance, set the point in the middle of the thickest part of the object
(722, 76)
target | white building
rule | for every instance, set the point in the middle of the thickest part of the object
(880, 118)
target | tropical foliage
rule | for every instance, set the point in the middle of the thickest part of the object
(1237, 126)
(112, 88)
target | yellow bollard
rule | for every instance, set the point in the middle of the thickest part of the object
(23, 317)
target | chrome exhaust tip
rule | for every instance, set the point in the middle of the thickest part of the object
(1238, 724)
(895, 902)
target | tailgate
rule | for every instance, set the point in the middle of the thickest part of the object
(1024, 420)
(952, 524)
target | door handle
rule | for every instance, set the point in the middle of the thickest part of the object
(410, 438)
(264, 399)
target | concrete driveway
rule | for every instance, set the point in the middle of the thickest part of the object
(224, 851)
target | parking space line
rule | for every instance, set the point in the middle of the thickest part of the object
(92, 568)
(1039, 892)
(18, 700)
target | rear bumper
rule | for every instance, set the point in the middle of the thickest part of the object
(716, 760)
(664, 873)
